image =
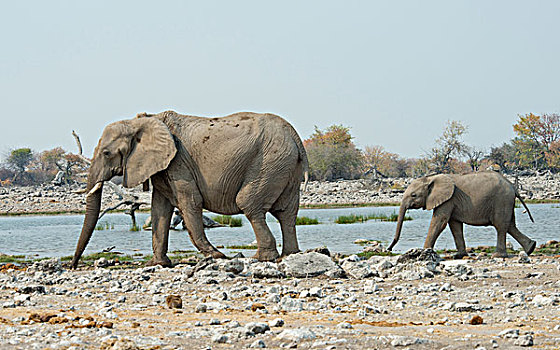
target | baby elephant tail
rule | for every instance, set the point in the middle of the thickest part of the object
(525, 205)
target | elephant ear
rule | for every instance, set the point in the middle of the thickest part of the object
(441, 190)
(152, 149)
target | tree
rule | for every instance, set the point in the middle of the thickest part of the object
(504, 156)
(376, 159)
(535, 135)
(57, 159)
(332, 154)
(474, 156)
(449, 144)
(18, 160)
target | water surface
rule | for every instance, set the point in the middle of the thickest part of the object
(47, 236)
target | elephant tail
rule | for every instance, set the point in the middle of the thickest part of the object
(302, 157)
(525, 205)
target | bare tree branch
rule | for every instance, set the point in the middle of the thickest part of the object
(132, 204)
(79, 143)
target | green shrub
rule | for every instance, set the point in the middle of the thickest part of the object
(369, 254)
(11, 258)
(104, 226)
(304, 220)
(242, 247)
(350, 219)
(228, 220)
(108, 256)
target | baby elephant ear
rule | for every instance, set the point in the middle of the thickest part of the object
(441, 190)
(152, 149)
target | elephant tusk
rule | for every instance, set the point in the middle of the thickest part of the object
(95, 188)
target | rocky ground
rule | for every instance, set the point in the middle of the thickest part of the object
(307, 301)
(65, 199)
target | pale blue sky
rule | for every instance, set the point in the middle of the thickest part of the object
(393, 71)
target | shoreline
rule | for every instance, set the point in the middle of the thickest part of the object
(306, 206)
(48, 199)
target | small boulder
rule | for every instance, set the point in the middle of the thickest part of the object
(303, 265)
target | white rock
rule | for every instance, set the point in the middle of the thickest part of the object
(297, 334)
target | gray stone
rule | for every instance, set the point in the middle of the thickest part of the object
(523, 258)
(359, 269)
(399, 340)
(524, 340)
(256, 327)
(277, 322)
(265, 270)
(297, 334)
(417, 254)
(304, 265)
(289, 304)
(220, 338)
(258, 344)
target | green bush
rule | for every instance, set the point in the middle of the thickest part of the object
(304, 220)
(104, 226)
(248, 246)
(228, 220)
(350, 219)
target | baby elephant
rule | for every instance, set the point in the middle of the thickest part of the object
(479, 199)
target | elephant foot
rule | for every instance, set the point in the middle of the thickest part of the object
(286, 252)
(460, 255)
(500, 255)
(266, 254)
(216, 254)
(531, 247)
(165, 262)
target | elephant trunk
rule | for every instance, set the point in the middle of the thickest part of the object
(402, 212)
(93, 206)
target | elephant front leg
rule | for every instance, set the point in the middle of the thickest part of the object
(161, 218)
(193, 221)
(438, 223)
(457, 231)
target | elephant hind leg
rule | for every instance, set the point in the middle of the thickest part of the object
(527, 243)
(266, 244)
(285, 210)
(501, 251)
(457, 231)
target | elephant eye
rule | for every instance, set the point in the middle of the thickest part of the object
(106, 153)
(413, 195)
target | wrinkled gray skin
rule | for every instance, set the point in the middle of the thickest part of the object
(244, 163)
(479, 199)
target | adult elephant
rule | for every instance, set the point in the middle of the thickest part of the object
(479, 199)
(243, 163)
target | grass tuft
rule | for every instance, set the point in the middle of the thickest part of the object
(228, 220)
(11, 258)
(249, 246)
(369, 254)
(350, 219)
(104, 226)
(304, 220)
